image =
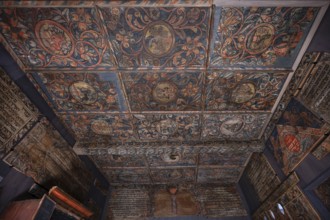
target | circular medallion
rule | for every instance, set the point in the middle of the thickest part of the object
(158, 38)
(54, 38)
(243, 92)
(83, 92)
(165, 92)
(101, 127)
(166, 127)
(232, 126)
(171, 158)
(259, 38)
(292, 143)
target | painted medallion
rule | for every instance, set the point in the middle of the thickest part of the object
(158, 39)
(232, 126)
(165, 92)
(83, 92)
(243, 92)
(54, 38)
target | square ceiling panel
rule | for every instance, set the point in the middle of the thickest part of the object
(259, 37)
(56, 37)
(158, 37)
(243, 90)
(100, 127)
(233, 126)
(164, 91)
(164, 127)
(82, 91)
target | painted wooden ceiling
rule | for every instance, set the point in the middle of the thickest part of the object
(162, 91)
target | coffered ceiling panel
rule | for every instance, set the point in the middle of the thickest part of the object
(103, 127)
(82, 91)
(233, 126)
(243, 90)
(56, 37)
(164, 91)
(163, 127)
(158, 37)
(259, 37)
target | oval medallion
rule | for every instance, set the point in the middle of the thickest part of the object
(243, 92)
(83, 92)
(158, 38)
(259, 38)
(101, 127)
(54, 38)
(165, 92)
(232, 126)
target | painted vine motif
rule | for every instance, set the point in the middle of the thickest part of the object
(260, 37)
(81, 91)
(230, 90)
(55, 37)
(100, 128)
(158, 37)
(168, 127)
(233, 126)
(164, 91)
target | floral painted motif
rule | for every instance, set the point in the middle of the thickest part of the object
(233, 126)
(160, 37)
(98, 127)
(237, 90)
(260, 37)
(164, 91)
(162, 127)
(55, 37)
(82, 91)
